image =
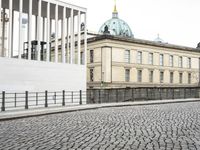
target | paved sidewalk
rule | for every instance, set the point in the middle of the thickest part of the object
(8, 115)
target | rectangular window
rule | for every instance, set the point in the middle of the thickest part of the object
(171, 61)
(91, 56)
(150, 76)
(161, 60)
(189, 78)
(139, 57)
(161, 77)
(139, 75)
(127, 75)
(151, 58)
(180, 77)
(91, 75)
(189, 63)
(180, 62)
(127, 56)
(171, 77)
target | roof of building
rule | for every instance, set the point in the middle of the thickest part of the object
(141, 41)
(116, 26)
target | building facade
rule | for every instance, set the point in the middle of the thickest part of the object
(26, 64)
(118, 60)
(115, 59)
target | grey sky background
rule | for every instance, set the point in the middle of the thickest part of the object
(177, 21)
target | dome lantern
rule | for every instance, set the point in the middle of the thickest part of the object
(115, 13)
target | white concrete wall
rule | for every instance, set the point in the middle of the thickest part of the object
(23, 75)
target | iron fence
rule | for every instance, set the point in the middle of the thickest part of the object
(141, 93)
(26, 100)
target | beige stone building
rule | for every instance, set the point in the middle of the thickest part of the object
(115, 59)
(118, 62)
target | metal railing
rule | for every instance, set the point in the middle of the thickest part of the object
(26, 100)
(141, 93)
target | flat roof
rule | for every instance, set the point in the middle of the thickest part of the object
(99, 37)
(60, 3)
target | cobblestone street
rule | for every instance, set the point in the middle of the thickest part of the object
(168, 126)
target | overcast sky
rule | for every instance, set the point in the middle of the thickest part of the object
(177, 21)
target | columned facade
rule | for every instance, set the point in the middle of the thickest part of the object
(47, 20)
(40, 49)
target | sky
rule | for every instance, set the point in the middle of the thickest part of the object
(176, 21)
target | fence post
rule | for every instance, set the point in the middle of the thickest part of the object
(80, 97)
(55, 96)
(100, 96)
(26, 100)
(116, 95)
(184, 93)
(124, 95)
(36, 98)
(133, 94)
(15, 99)
(108, 95)
(173, 93)
(63, 96)
(160, 94)
(3, 101)
(46, 99)
(147, 93)
(154, 93)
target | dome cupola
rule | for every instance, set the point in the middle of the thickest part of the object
(116, 26)
(158, 39)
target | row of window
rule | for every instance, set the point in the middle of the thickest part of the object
(150, 59)
(161, 61)
(151, 73)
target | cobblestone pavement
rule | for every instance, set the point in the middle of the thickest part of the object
(168, 126)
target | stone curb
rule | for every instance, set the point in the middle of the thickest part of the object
(4, 116)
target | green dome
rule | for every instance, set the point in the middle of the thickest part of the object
(116, 26)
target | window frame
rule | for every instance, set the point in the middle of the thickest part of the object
(180, 62)
(171, 60)
(139, 76)
(162, 79)
(161, 60)
(151, 73)
(91, 74)
(180, 77)
(171, 77)
(150, 58)
(127, 56)
(189, 78)
(189, 63)
(127, 76)
(91, 56)
(139, 57)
